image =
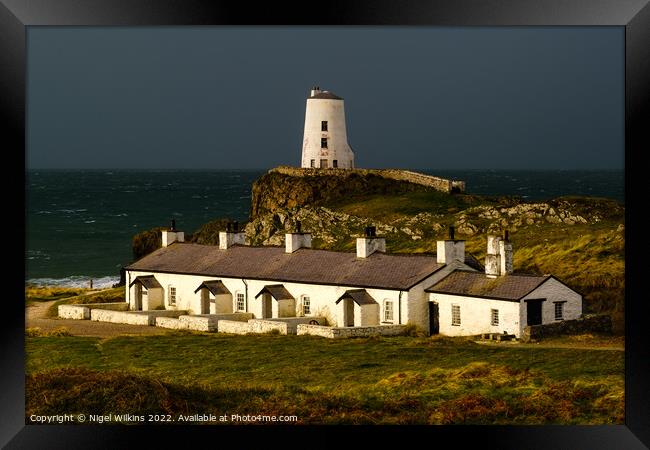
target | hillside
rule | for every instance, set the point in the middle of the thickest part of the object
(580, 240)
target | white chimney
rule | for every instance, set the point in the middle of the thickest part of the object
(232, 236)
(172, 235)
(370, 243)
(450, 249)
(505, 253)
(298, 239)
(315, 90)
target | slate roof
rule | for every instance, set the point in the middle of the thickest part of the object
(216, 287)
(359, 296)
(475, 284)
(327, 96)
(148, 281)
(379, 270)
(277, 291)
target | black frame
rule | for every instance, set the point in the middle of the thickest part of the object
(634, 15)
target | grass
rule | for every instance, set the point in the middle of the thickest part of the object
(381, 380)
(87, 296)
(34, 294)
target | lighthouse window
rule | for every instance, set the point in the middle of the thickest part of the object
(312, 163)
(323, 143)
(323, 125)
(335, 163)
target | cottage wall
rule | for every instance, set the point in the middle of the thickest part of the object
(553, 291)
(476, 315)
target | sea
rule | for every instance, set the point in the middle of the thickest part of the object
(79, 223)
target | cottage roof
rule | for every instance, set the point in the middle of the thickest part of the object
(148, 281)
(306, 265)
(359, 296)
(277, 291)
(476, 284)
(216, 287)
(327, 95)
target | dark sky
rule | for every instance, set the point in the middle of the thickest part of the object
(415, 97)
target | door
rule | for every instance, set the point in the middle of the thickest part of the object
(434, 322)
(205, 301)
(348, 312)
(137, 304)
(267, 306)
(323, 164)
(534, 312)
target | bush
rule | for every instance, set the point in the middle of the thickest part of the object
(37, 332)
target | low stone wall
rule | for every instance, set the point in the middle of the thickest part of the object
(171, 323)
(133, 317)
(347, 332)
(233, 327)
(440, 184)
(586, 324)
(82, 311)
(267, 326)
(293, 322)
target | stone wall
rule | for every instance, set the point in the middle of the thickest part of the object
(347, 332)
(440, 184)
(233, 327)
(293, 322)
(171, 323)
(587, 324)
(132, 317)
(82, 312)
(267, 326)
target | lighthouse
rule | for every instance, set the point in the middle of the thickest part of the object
(325, 141)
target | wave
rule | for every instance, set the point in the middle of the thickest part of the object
(75, 281)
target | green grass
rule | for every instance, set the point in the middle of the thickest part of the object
(385, 380)
(102, 296)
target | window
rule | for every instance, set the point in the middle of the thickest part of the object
(172, 295)
(241, 304)
(306, 303)
(323, 125)
(455, 315)
(494, 313)
(312, 163)
(144, 292)
(323, 142)
(559, 310)
(335, 163)
(388, 311)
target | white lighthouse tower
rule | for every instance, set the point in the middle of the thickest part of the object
(325, 142)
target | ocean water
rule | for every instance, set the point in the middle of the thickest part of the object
(80, 222)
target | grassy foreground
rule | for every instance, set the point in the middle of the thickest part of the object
(397, 380)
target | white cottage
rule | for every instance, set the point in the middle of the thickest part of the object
(363, 288)
(467, 302)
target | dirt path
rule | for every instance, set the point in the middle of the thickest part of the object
(36, 316)
(553, 344)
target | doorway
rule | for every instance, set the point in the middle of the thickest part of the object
(434, 320)
(348, 312)
(205, 301)
(323, 164)
(137, 303)
(534, 312)
(267, 306)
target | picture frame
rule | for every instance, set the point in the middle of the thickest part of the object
(634, 16)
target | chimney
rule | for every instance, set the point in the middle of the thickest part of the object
(315, 90)
(450, 249)
(493, 256)
(505, 253)
(172, 235)
(231, 236)
(297, 239)
(370, 243)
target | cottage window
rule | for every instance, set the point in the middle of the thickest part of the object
(559, 310)
(455, 315)
(172, 295)
(241, 304)
(388, 311)
(306, 305)
(323, 125)
(494, 314)
(323, 142)
(312, 163)
(144, 292)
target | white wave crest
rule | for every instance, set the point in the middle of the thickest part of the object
(76, 281)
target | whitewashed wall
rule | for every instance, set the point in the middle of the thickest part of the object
(552, 290)
(333, 111)
(476, 315)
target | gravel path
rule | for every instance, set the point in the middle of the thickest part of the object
(35, 316)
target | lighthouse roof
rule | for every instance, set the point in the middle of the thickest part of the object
(327, 95)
